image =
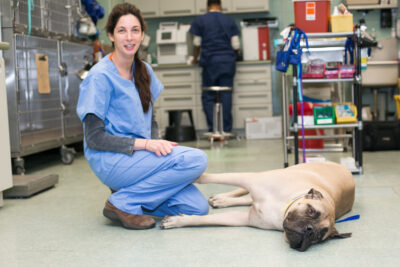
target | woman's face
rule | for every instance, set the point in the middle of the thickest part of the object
(127, 35)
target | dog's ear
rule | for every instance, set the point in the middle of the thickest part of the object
(314, 194)
(335, 234)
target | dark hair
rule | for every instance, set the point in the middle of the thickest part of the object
(213, 2)
(141, 75)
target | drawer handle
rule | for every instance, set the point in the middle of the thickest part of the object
(255, 83)
(251, 71)
(178, 86)
(261, 7)
(253, 96)
(177, 98)
(253, 108)
(148, 13)
(176, 74)
(183, 11)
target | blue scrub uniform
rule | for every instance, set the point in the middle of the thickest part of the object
(218, 60)
(145, 183)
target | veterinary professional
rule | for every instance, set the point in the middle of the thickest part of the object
(216, 36)
(148, 176)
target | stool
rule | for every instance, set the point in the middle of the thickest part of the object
(177, 132)
(218, 121)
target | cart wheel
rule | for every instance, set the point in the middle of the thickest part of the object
(67, 155)
(19, 166)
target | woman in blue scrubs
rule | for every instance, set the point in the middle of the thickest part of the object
(148, 176)
(216, 36)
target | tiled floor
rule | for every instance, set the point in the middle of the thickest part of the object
(64, 226)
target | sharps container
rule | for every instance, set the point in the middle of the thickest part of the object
(312, 16)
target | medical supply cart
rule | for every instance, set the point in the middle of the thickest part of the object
(324, 41)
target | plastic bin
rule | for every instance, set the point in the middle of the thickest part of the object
(345, 112)
(324, 115)
(312, 16)
(342, 23)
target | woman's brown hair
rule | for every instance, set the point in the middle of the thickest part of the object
(141, 75)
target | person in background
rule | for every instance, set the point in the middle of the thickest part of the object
(216, 36)
(147, 176)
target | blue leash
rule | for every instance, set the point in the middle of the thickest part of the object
(350, 218)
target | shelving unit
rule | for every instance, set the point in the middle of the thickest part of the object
(292, 126)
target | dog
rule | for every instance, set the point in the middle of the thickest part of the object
(303, 201)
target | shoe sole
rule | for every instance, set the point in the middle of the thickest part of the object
(114, 217)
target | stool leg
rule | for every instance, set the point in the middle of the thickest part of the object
(215, 117)
(220, 119)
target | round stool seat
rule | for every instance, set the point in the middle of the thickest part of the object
(217, 88)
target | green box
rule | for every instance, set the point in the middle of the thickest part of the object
(324, 115)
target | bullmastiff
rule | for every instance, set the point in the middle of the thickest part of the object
(303, 201)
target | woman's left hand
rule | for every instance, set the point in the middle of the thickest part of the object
(159, 147)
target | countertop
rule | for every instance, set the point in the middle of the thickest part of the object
(238, 63)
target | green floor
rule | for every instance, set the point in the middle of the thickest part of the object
(64, 226)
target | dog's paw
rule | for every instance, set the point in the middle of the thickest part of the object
(172, 222)
(217, 201)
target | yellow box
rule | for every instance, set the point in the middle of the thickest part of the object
(345, 112)
(342, 23)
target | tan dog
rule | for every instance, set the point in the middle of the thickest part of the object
(303, 201)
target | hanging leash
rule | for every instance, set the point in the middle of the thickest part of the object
(350, 218)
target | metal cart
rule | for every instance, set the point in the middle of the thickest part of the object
(291, 125)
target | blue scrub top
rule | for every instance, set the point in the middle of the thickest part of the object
(116, 101)
(216, 30)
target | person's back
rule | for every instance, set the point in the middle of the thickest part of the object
(216, 30)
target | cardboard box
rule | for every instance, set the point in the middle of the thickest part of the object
(263, 127)
(342, 23)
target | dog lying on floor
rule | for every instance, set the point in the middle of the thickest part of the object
(303, 201)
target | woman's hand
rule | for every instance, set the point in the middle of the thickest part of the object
(159, 147)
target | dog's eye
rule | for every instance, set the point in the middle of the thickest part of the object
(310, 210)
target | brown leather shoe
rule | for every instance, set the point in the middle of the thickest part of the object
(129, 221)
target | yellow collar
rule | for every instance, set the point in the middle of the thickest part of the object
(291, 203)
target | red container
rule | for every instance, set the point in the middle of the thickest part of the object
(311, 143)
(312, 16)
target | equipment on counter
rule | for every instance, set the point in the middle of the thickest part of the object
(255, 38)
(172, 43)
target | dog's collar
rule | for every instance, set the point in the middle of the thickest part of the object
(291, 203)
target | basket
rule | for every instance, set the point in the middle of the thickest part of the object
(345, 112)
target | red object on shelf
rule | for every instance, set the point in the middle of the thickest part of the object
(312, 16)
(311, 143)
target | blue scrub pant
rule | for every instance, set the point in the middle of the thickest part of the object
(159, 186)
(208, 100)
(218, 74)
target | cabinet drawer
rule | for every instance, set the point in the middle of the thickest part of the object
(179, 88)
(200, 121)
(252, 98)
(177, 7)
(250, 5)
(252, 85)
(176, 75)
(241, 112)
(254, 72)
(178, 101)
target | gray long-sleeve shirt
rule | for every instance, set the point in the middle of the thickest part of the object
(97, 138)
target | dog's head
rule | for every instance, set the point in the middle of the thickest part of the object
(310, 220)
